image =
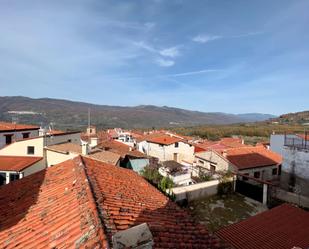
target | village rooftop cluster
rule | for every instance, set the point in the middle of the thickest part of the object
(90, 189)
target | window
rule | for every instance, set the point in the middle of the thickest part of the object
(212, 168)
(176, 157)
(26, 135)
(176, 145)
(244, 178)
(279, 170)
(274, 172)
(2, 178)
(8, 138)
(14, 177)
(30, 150)
(257, 174)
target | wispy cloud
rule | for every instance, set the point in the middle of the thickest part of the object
(164, 63)
(204, 38)
(193, 73)
(170, 52)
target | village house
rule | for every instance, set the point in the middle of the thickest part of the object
(11, 132)
(35, 146)
(85, 203)
(166, 148)
(294, 148)
(253, 161)
(16, 167)
(61, 152)
(179, 174)
(130, 157)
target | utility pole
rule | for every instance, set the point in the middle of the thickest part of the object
(88, 117)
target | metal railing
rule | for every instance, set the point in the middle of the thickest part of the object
(297, 142)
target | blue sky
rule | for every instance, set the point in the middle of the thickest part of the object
(210, 55)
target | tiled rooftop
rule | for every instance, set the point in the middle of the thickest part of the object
(53, 208)
(17, 163)
(283, 227)
(66, 147)
(125, 199)
(82, 203)
(4, 126)
(119, 148)
(252, 157)
(164, 139)
(106, 156)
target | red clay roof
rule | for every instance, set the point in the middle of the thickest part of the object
(120, 148)
(164, 139)
(283, 227)
(252, 157)
(17, 163)
(53, 208)
(66, 147)
(81, 203)
(4, 126)
(126, 199)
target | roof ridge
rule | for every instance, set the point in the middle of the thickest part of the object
(91, 198)
(102, 216)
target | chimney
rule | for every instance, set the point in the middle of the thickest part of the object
(85, 149)
(138, 237)
(93, 141)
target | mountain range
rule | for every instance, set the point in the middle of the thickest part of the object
(65, 114)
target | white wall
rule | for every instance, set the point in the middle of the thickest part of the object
(185, 152)
(53, 157)
(298, 157)
(196, 191)
(207, 158)
(16, 136)
(20, 148)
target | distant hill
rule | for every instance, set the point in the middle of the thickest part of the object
(70, 114)
(301, 118)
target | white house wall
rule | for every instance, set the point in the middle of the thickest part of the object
(53, 157)
(17, 135)
(298, 157)
(20, 148)
(185, 152)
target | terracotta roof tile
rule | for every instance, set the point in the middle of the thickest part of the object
(252, 157)
(126, 199)
(106, 156)
(66, 147)
(120, 148)
(17, 163)
(4, 126)
(53, 208)
(164, 139)
(283, 227)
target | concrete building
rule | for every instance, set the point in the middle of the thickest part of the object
(294, 150)
(10, 132)
(35, 146)
(166, 148)
(256, 162)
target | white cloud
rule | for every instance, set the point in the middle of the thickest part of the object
(165, 63)
(203, 38)
(149, 25)
(170, 52)
(206, 38)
